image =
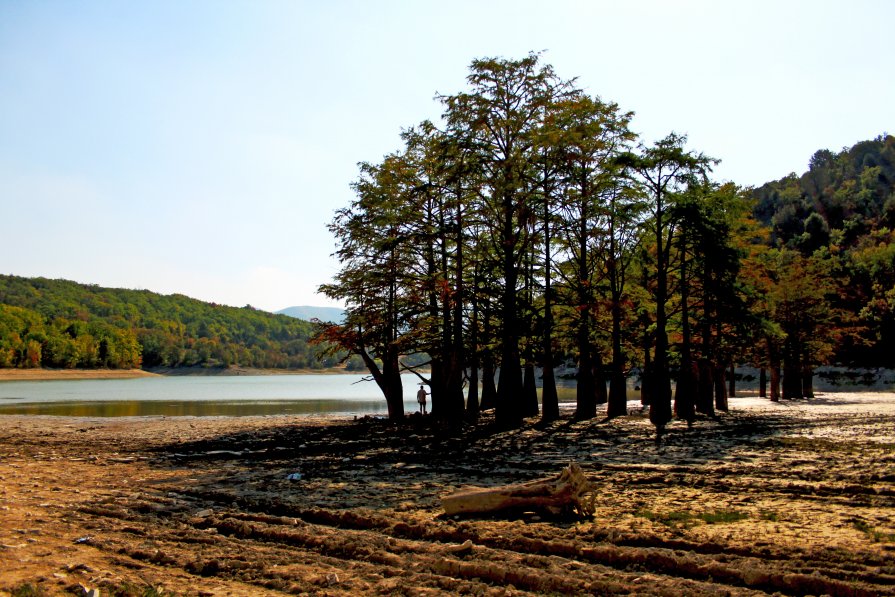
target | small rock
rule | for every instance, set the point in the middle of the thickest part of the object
(463, 548)
(332, 579)
(204, 513)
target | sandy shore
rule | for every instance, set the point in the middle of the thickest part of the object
(794, 498)
(51, 374)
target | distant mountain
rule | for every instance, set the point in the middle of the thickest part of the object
(333, 314)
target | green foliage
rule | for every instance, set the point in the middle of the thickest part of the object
(874, 535)
(852, 192)
(670, 519)
(840, 214)
(722, 516)
(677, 519)
(129, 589)
(62, 324)
(28, 590)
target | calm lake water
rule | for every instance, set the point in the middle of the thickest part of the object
(340, 394)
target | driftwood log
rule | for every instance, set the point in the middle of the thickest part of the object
(567, 492)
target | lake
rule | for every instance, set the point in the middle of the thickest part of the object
(308, 394)
(340, 394)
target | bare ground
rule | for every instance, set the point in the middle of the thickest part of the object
(7, 374)
(790, 499)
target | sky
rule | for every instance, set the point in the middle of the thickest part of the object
(201, 147)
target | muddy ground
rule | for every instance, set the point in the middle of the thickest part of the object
(790, 499)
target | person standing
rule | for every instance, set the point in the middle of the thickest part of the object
(421, 398)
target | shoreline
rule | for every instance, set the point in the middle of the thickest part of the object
(59, 374)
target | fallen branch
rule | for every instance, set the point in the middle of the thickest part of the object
(569, 491)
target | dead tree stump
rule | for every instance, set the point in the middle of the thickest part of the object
(569, 491)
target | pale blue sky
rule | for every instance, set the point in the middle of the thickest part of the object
(201, 147)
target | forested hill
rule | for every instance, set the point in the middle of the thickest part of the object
(842, 198)
(840, 216)
(57, 323)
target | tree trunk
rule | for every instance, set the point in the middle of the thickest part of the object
(529, 391)
(660, 406)
(458, 355)
(774, 361)
(569, 491)
(792, 383)
(453, 389)
(472, 396)
(645, 378)
(720, 389)
(762, 383)
(618, 391)
(731, 382)
(685, 391)
(775, 383)
(618, 395)
(792, 370)
(508, 411)
(660, 403)
(705, 390)
(586, 405)
(489, 389)
(436, 386)
(808, 382)
(601, 396)
(389, 381)
(549, 397)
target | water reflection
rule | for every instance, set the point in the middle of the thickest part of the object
(194, 408)
(214, 396)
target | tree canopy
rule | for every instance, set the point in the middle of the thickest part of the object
(531, 227)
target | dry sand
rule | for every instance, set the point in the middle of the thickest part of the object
(62, 374)
(794, 498)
